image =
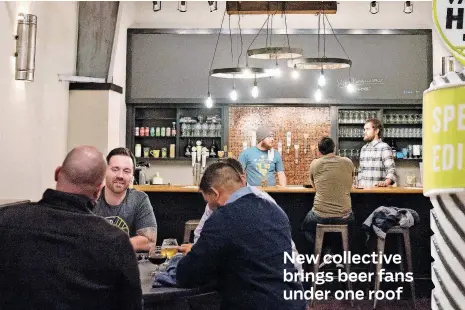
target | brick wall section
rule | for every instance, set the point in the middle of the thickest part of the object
(298, 120)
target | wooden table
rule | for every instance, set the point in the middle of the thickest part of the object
(168, 298)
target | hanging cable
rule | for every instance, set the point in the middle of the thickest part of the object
(240, 35)
(285, 24)
(324, 34)
(319, 18)
(231, 42)
(342, 47)
(214, 52)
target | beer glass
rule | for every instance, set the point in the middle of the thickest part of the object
(169, 247)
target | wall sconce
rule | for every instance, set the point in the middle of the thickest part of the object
(156, 5)
(374, 7)
(408, 7)
(25, 47)
(213, 5)
(182, 6)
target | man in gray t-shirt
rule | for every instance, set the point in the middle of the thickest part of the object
(133, 214)
(128, 209)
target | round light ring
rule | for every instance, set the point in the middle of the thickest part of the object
(320, 63)
(241, 73)
(268, 53)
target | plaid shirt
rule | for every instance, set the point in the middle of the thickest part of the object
(376, 164)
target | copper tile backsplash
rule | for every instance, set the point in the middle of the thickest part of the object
(298, 120)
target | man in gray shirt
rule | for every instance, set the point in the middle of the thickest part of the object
(128, 209)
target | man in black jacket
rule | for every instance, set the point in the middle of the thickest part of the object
(56, 254)
(241, 247)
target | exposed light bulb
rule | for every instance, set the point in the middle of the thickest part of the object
(295, 73)
(233, 94)
(321, 79)
(209, 101)
(277, 72)
(255, 90)
(318, 95)
(350, 87)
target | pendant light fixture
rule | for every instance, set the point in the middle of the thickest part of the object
(322, 63)
(270, 52)
(238, 72)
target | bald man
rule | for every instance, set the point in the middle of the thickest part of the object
(56, 254)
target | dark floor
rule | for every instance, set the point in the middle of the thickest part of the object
(422, 304)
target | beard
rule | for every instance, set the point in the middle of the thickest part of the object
(266, 146)
(117, 186)
(368, 138)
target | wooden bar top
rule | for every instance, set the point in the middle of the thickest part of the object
(279, 189)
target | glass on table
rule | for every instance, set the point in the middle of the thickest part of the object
(169, 247)
(156, 257)
(411, 179)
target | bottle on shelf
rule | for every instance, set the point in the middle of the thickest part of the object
(394, 148)
(187, 148)
(168, 131)
(162, 131)
(173, 130)
(213, 149)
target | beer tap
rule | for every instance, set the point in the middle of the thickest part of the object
(288, 141)
(199, 158)
(296, 148)
(305, 142)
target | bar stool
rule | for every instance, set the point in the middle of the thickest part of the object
(321, 229)
(408, 252)
(189, 227)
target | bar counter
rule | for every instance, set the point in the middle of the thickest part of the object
(174, 205)
(281, 189)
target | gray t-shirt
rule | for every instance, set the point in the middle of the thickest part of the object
(134, 213)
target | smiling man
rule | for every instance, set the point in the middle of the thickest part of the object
(128, 209)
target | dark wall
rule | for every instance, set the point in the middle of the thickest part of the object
(385, 66)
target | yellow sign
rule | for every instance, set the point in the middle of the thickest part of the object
(444, 138)
(448, 16)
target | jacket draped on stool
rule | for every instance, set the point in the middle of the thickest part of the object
(384, 218)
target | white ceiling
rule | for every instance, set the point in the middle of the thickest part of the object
(350, 15)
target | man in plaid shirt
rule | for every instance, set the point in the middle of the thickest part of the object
(377, 167)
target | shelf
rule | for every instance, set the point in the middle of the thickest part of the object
(155, 137)
(363, 123)
(155, 119)
(397, 159)
(403, 124)
(351, 138)
(417, 138)
(201, 137)
(186, 159)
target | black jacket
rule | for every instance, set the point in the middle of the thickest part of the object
(55, 254)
